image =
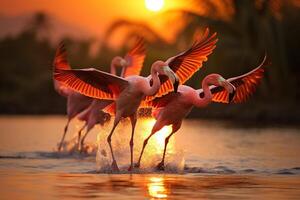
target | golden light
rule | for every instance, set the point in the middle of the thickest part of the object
(158, 139)
(156, 188)
(154, 5)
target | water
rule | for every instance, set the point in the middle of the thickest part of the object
(212, 160)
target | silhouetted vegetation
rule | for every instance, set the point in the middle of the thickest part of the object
(246, 29)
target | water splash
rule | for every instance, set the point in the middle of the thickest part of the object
(71, 147)
(174, 161)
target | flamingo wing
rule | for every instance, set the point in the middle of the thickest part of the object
(61, 62)
(160, 102)
(245, 85)
(61, 89)
(135, 59)
(89, 82)
(92, 82)
(188, 62)
(60, 59)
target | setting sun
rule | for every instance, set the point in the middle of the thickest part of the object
(154, 5)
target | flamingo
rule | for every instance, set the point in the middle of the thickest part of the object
(131, 65)
(77, 103)
(172, 108)
(129, 92)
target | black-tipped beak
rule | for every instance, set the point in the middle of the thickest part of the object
(231, 96)
(175, 85)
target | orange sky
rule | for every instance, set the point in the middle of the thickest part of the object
(93, 16)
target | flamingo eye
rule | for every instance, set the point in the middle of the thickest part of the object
(221, 80)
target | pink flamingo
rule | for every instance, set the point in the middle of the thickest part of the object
(172, 108)
(132, 64)
(76, 103)
(128, 93)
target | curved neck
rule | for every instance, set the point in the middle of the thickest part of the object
(113, 65)
(204, 101)
(152, 90)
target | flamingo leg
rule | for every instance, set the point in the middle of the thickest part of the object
(157, 126)
(114, 164)
(133, 120)
(64, 135)
(79, 133)
(175, 128)
(83, 138)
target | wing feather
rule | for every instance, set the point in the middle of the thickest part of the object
(188, 62)
(135, 59)
(245, 85)
(89, 82)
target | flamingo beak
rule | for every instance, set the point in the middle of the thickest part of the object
(232, 93)
(176, 84)
(172, 76)
(123, 63)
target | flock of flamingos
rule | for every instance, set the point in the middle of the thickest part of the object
(93, 95)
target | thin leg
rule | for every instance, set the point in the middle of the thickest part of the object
(157, 126)
(64, 135)
(133, 120)
(79, 134)
(175, 127)
(83, 139)
(114, 164)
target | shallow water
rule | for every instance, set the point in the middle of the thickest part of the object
(221, 162)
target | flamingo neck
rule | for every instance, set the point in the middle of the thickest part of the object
(204, 101)
(113, 65)
(152, 90)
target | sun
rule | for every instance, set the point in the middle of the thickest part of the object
(154, 5)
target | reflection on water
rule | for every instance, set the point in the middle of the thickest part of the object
(156, 187)
(20, 185)
(222, 162)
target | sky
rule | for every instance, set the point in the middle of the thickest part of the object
(92, 16)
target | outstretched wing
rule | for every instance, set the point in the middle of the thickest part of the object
(61, 89)
(245, 85)
(89, 82)
(60, 59)
(160, 101)
(135, 59)
(188, 62)
(61, 62)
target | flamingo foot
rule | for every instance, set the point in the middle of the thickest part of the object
(82, 150)
(114, 166)
(160, 166)
(130, 168)
(60, 146)
(137, 165)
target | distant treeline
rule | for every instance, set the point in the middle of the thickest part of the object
(26, 61)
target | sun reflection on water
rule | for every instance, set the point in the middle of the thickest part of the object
(158, 139)
(153, 152)
(156, 188)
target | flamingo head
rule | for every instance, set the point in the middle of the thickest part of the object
(119, 61)
(164, 69)
(231, 89)
(104, 118)
(218, 80)
(123, 62)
